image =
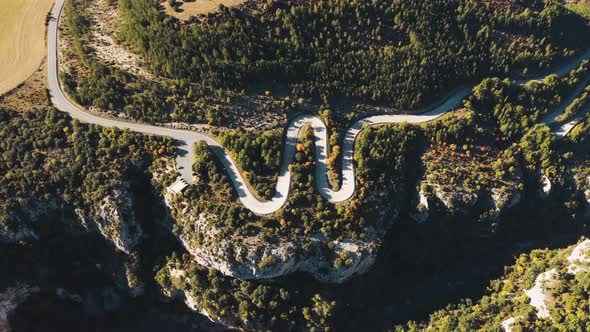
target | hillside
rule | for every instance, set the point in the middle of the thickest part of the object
(229, 66)
(300, 166)
(544, 290)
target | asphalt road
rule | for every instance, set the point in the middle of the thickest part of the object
(186, 139)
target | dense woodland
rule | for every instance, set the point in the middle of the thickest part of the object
(403, 53)
(505, 298)
(511, 109)
(46, 155)
(399, 52)
(258, 154)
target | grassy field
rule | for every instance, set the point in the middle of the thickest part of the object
(197, 7)
(22, 39)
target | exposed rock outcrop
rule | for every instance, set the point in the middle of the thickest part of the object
(326, 260)
(460, 202)
(541, 294)
(546, 187)
(507, 323)
(422, 210)
(504, 199)
(10, 299)
(579, 259)
(115, 219)
(20, 225)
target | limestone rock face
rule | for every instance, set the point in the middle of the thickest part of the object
(541, 294)
(422, 210)
(546, 187)
(460, 202)
(10, 299)
(115, 219)
(505, 199)
(456, 200)
(326, 260)
(113, 216)
(20, 225)
(18, 231)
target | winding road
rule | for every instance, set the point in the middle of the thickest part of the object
(186, 139)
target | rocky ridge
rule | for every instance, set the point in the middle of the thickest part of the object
(248, 259)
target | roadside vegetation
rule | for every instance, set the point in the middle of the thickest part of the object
(47, 156)
(510, 109)
(370, 51)
(306, 213)
(578, 105)
(258, 153)
(211, 70)
(105, 87)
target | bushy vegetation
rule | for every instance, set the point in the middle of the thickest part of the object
(581, 7)
(510, 109)
(539, 151)
(387, 159)
(400, 52)
(580, 133)
(247, 303)
(319, 317)
(505, 298)
(577, 105)
(105, 87)
(258, 153)
(252, 305)
(306, 213)
(45, 156)
(471, 168)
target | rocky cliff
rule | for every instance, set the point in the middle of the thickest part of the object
(10, 299)
(329, 261)
(20, 224)
(113, 217)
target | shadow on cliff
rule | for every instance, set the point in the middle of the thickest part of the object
(424, 267)
(76, 275)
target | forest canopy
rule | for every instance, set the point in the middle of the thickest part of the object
(401, 52)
